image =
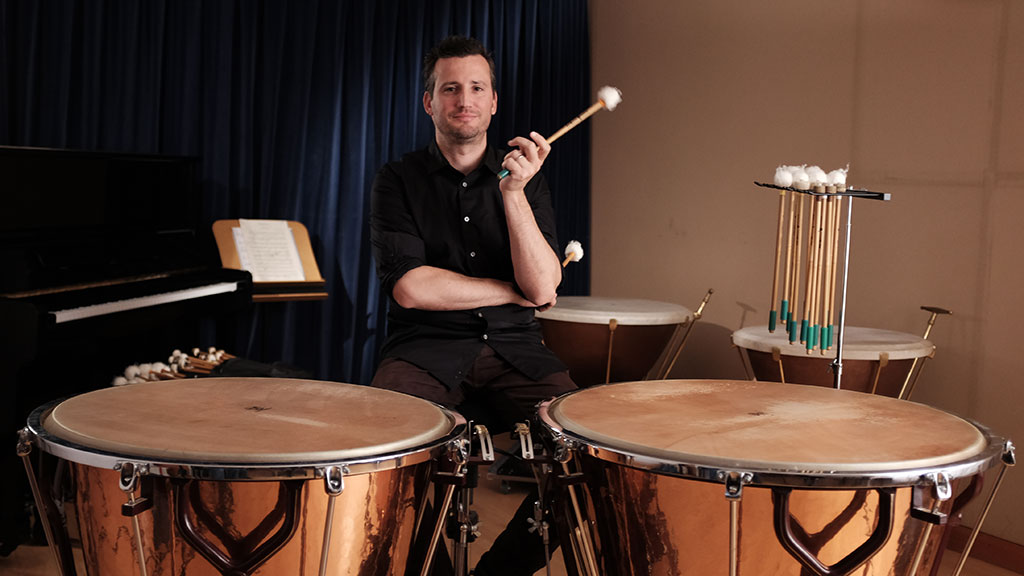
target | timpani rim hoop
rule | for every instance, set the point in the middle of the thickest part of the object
(985, 451)
(77, 447)
(859, 343)
(625, 311)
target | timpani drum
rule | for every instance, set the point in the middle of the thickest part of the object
(874, 361)
(610, 339)
(726, 477)
(240, 475)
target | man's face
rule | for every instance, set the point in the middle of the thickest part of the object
(463, 99)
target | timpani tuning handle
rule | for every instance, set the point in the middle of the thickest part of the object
(911, 380)
(703, 303)
(486, 444)
(672, 354)
(936, 311)
(799, 550)
(525, 439)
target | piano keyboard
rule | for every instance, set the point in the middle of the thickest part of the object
(101, 309)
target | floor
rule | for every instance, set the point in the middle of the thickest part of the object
(494, 508)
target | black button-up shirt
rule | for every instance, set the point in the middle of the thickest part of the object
(426, 213)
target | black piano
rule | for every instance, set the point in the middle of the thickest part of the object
(104, 262)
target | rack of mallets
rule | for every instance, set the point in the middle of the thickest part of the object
(807, 261)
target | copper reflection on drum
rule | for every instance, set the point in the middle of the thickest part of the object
(374, 520)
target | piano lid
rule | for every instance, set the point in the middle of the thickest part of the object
(75, 217)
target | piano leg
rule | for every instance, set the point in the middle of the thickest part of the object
(17, 348)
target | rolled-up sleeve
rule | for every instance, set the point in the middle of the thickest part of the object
(397, 245)
(539, 197)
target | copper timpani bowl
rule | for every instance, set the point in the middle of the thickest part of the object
(235, 472)
(810, 468)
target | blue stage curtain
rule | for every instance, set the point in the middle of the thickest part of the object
(292, 106)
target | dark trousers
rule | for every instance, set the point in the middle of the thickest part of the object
(497, 395)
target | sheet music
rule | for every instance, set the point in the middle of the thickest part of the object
(266, 248)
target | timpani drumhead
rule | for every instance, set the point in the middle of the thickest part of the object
(765, 426)
(243, 421)
(858, 343)
(625, 311)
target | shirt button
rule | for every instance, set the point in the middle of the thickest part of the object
(464, 184)
(485, 336)
(465, 218)
(472, 254)
(479, 314)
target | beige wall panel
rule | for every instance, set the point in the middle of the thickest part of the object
(1011, 111)
(926, 80)
(717, 94)
(997, 389)
(681, 150)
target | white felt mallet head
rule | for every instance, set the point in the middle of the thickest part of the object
(783, 177)
(801, 181)
(573, 252)
(610, 95)
(817, 176)
(837, 177)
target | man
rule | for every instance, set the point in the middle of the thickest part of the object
(467, 256)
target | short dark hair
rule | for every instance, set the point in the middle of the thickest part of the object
(454, 47)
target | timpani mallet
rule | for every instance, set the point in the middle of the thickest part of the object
(813, 273)
(607, 97)
(783, 178)
(836, 178)
(785, 315)
(818, 178)
(800, 182)
(808, 274)
(837, 203)
(794, 296)
(829, 272)
(573, 252)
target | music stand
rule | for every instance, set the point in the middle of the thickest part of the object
(312, 287)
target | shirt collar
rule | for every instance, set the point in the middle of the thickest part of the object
(491, 161)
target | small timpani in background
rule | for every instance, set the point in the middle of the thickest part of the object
(874, 361)
(605, 339)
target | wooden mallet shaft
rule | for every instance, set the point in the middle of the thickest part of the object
(607, 97)
(576, 121)
(778, 258)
